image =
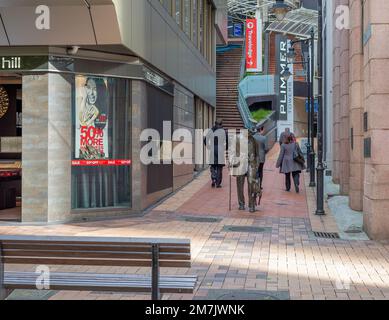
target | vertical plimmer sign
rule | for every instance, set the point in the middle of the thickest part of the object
(281, 51)
(254, 45)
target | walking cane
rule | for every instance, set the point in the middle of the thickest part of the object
(230, 207)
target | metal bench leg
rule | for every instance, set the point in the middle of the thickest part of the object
(155, 295)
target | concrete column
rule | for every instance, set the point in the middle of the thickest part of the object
(46, 148)
(3, 291)
(336, 99)
(376, 92)
(356, 106)
(139, 122)
(345, 146)
(329, 83)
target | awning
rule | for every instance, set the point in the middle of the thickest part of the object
(242, 9)
(298, 22)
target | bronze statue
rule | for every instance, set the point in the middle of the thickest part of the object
(245, 164)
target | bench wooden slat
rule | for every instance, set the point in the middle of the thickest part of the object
(113, 288)
(83, 247)
(94, 262)
(88, 275)
(91, 254)
(101, 282)
(93, 240)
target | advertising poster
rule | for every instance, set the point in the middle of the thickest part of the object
(251, 47)
(254, 46)
(91, 118)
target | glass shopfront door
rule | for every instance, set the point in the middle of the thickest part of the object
(10, 147)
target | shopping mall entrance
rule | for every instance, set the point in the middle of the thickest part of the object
(10, 147)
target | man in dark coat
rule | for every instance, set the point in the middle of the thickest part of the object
(262, 150)
(219, 148)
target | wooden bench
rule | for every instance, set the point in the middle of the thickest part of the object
(97, 251)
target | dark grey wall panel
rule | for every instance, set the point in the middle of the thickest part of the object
(148, 30)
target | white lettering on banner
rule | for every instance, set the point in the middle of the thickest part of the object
(254, 50)
(11, 63)
(283, 82)
(250, 45)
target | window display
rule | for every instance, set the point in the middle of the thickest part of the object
(101, 163)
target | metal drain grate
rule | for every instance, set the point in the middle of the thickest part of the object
(327, 235)
(248, 229)
(201, 219)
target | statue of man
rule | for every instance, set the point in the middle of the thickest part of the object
(245, 166)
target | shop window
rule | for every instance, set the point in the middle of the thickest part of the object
(168, 5)
(186, 26)
(201, 26)
(101, 162)
(178, 10)
(194, 22)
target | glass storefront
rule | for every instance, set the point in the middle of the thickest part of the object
(101, 153)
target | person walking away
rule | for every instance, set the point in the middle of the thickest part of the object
(219, 148)
(284, 135)
(263, 149)
(290, 162)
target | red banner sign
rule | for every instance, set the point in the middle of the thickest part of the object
(251, 44)
(101, 163)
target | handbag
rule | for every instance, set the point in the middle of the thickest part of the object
(298, 155)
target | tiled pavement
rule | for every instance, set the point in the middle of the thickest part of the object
(281, 260)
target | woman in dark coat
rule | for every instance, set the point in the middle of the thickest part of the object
(288, 165)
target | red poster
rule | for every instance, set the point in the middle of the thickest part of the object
(101, 163)
(251, 44)
(91, 118)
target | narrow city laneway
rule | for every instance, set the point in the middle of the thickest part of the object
(275, 201)
(272, 254)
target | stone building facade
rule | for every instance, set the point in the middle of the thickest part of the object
(139, 63)
(360, 99)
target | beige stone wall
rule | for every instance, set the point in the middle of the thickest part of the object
(356, 105)
(345, 146)
(336, 102)
(376, 97)
(59, 147)
(35, 145)
(46, 148)
(139, 122)
(361, 77)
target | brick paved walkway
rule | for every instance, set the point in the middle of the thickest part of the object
(279, 258)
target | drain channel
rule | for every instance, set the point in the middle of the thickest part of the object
(327, 235)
